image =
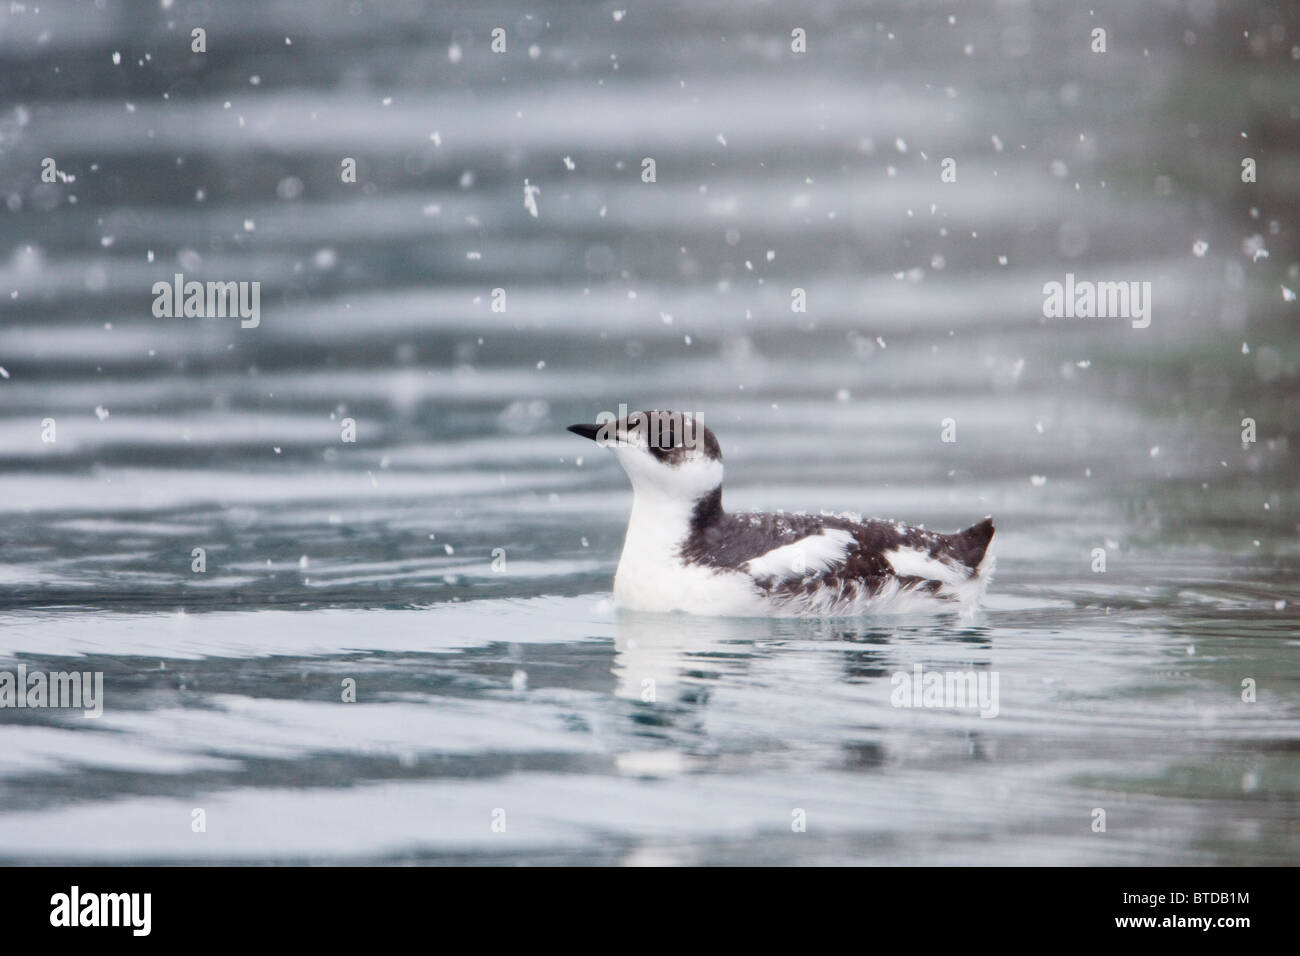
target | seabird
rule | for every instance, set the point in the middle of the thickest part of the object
(683, 552)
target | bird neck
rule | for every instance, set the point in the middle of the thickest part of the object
(660, 525)
(708, 509)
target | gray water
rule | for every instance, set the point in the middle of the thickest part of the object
(456, 560)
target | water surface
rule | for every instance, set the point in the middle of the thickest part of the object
(456, 560)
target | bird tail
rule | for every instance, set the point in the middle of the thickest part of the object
(971, 545)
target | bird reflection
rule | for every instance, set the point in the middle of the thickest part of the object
(679, 658)
(669, 670)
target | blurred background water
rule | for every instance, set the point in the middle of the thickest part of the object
(518, 687)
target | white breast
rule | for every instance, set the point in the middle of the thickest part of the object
(651, 575)
(694, 589)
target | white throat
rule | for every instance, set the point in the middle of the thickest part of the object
(652, 575)
(656, 531)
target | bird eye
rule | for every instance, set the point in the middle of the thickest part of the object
(660, 433)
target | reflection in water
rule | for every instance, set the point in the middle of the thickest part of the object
(673, 667)
(675, 658)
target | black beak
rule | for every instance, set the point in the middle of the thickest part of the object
(586, 431)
